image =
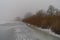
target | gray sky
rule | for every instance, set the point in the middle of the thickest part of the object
(10, 9)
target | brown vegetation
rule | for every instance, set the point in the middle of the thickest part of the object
(55, 26)
(52, 22)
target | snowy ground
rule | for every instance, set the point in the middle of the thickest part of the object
(48, 31)
(19, 31)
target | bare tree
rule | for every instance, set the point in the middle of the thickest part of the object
(29, 14)
(57, 11)
(51, 10)
(41, 13)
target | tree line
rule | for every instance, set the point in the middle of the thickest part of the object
(49, 19)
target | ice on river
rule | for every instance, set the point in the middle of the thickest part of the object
(19, 31)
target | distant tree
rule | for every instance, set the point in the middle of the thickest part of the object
(28, 14)
(17, 19)
(40, 13)
(57, 11)
(51, 10)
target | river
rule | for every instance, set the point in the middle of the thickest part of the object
(19, 31)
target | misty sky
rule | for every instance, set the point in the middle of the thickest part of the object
(9, 9)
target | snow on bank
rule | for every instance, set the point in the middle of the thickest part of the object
(50, 32)
(46, 30)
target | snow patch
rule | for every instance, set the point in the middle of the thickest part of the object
(45, 30)
(49, 32)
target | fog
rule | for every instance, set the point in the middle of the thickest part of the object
(9, 9)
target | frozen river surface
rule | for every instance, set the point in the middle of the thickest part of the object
(19, 31)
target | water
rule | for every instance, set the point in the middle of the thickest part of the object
(19, 31)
